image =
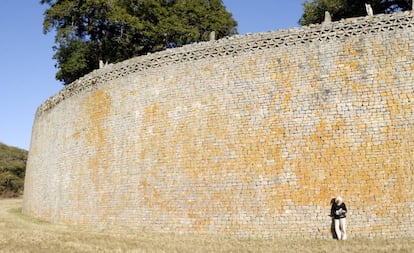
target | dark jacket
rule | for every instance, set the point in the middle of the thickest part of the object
(341, 208)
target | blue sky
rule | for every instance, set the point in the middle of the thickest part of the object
(27, 70)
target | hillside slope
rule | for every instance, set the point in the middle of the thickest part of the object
(12, 170)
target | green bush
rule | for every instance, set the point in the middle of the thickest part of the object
(12, 170)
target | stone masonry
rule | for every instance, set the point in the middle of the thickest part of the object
(248, 136)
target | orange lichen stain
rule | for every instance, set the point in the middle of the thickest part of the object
(317, 167)
(401, 49)
(286, 101)
(248, 69)
(130, 93)
(161, 150)
(206, 143)
(200, 224)
(348, 65)
(207, 69)
(321, 127)
(350, 50)
(96, 108)
(151, 110)
(377, 228)
(155, 123)
(264, 160)
(340, 123)
(193, 216)
(283, 71)
(76, 135)
(385, 75)
(377, 48)
(396, 105)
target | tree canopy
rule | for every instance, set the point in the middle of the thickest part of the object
(90, 31)
(314, 11)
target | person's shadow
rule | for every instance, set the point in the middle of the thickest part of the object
(334, 236)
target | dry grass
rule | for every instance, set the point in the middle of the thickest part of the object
(20, 233)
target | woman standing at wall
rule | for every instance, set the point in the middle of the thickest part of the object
(338, 212)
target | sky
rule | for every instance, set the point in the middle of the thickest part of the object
(27, 69)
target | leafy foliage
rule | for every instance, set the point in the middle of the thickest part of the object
(12, 170)
(314, 11)
(89, 31)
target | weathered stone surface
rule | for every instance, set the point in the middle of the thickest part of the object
(246, 136)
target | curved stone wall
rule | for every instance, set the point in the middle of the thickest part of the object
(246, 136)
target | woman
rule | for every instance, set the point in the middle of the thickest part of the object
(338, 212)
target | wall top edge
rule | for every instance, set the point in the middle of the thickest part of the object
(235, 45)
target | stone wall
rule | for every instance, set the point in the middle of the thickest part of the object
(249, 136)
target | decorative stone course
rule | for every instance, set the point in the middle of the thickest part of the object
(237, 45)
(248, 136)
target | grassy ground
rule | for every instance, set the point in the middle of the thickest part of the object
(20, 233)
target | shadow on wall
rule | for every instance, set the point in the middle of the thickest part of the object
(332, 220)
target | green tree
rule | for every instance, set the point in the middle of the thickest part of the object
(314, 11)
(90, 31)
(12, 170)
